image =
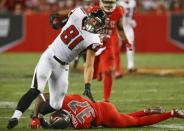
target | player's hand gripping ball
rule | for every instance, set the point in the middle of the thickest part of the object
(55, 21)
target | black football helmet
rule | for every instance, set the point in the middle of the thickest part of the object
(60, 119)
(95, 21)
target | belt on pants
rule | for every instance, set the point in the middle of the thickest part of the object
(59, 61)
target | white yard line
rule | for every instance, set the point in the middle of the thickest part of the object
(23, 117)
(129, 91)
(135, 91)
(6, 117)
(172, 126)
(10, 104)
(143, 100)
(19, 93)
(7, 104)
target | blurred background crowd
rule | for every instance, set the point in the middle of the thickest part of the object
(35, 6)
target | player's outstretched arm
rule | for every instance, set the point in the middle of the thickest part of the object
(88, 73)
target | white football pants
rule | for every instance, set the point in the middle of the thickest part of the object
(130, 53)
(48, 69)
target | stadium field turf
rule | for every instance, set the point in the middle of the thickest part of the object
(131, 93)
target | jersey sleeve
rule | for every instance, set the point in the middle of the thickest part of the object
(94, 42)
(94, 46)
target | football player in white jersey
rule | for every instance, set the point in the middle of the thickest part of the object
(78, 34)
(128, 24)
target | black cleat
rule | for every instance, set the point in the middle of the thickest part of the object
(132, 70)
(12, 123)
(177, 113)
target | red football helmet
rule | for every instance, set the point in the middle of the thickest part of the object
(108, 5)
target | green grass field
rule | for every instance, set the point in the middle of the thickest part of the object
(131, 93)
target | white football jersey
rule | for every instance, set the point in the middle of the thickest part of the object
(72, 39)
(129, 9)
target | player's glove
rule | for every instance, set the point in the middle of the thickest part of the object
(87, 92)
(127, 44)
(55, 21)
(35, 123)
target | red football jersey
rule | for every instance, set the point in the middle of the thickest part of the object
(81, 109)
(84, 112)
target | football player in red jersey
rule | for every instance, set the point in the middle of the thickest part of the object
(110, 57)
(82, 113)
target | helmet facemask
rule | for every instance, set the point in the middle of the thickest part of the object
(60, 119)
(92, 25)
(95, 21)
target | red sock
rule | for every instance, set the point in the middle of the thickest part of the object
(107, 85)
(118, 65)
(117, 55)
(153, 119)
